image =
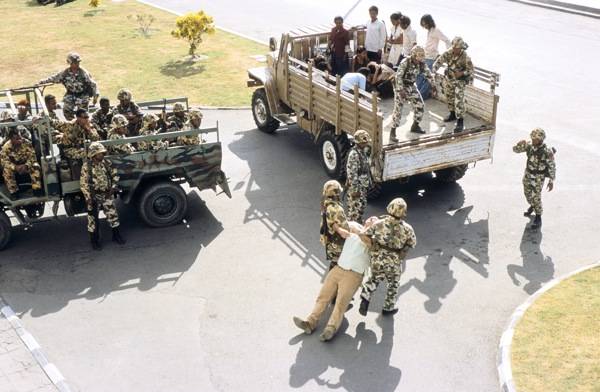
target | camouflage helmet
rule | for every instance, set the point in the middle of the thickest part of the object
(96, 148)
(361, 136)
(178, 107)
(397, 208)
(119, 121)
(459, 43)
(332, 189)
(195, 114)
(124, 94)
(417, 52)
(73, 57)
(149, 118)
(538, 133)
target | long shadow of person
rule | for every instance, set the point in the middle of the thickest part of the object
(537, 268)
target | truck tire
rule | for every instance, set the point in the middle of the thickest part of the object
(5, 230)
(375, 191)
(162, 204)
(261, 112)
(333, 151)
(451, 174)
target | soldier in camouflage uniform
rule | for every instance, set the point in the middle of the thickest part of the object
(332, 218)
(118, 131)
(74, 135)
(195, 119)
(151, 128)
(18, 157)
(79, 85)
(358, 176)
(130, 110)
(540, 164)
(390, 240)
(177, 120)
(459, 73)
(99, 185)
(102, 118)
(405, 89)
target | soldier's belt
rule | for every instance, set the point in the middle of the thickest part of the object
(536, 172)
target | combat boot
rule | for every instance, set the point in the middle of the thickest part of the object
(117, 236)
(327, 334)
(393, 138)
(416, 128)
(303, 325)
(95, 241)
(528, 212)
(460, 125)
(389, 312)
(537, 222)
(451, 117)
(364, 307)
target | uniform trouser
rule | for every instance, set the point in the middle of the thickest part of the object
(11, 181)
(414, 97)
(73, 102)
(340, 284)
(532, 188)
(455, 95)
(332, 253)
(356, 202)
(389, 271)
(107, 204)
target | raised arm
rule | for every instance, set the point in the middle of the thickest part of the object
(520, 147)
(56, 78)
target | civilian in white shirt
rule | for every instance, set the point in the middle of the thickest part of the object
(434, 36)
(395, 40)
(376, 36)
(409, 36)
(341, 282)
(352, 79)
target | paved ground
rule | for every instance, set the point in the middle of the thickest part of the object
(208, 305)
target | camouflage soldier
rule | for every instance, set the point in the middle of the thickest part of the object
(102, 118)
(390, 239)
(17, 157)
(179, 117)
(79, 85)
(195, 119)
(118, 131)
(151, 128)
(405, 89)
(130, 110)
(24, 114)
(98, 185)
(332, 219)
(459, 73)
(540, 164)
(358, 176)
(74, 135)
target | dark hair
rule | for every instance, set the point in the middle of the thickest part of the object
(104, 99)
(427, 20)
(80, 112)
(12, 132)
(338, 18)
(360, 49)
(405, 20)
(364, 71)
(373, 8)
(49, 97)
(396, 15)
(320, 63)
(372, 66)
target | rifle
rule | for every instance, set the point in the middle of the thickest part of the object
(93, 213)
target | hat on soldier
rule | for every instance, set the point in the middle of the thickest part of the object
(149, 118)
(124, 94)
(96, 148)
(73, 57)
(119, 121)
(195, 114)
(332, 188)
(178, 107)
(362, 136)
(459, 43)
(417, 52)
(397, 208)
(538, 133)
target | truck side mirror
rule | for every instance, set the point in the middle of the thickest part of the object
(272, 44)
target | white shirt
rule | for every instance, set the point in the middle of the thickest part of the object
(395, 49)
(352, 78)
(434, 36)
(376, 36)
(409, 39)
(355, 255)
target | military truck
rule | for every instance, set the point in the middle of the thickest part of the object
(289, 91)
(151, 181)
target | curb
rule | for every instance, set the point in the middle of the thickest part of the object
(503, 361)
(224, 107)
(34, 348)
(563, 7)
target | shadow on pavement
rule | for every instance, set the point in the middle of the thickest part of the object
(537, 268)
(37, 277)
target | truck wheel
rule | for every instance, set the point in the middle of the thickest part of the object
(261, 112)
(5, 230)
(334, 152)
(451, 174)
(162, 204)
(374, 191)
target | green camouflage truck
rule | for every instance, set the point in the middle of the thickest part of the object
(149, 180)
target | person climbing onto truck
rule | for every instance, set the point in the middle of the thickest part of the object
(352, 79)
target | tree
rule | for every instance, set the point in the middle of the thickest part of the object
(192, 27)
(94, 3)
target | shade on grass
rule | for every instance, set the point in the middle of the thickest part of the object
(37, 39)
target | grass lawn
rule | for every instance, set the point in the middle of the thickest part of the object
(37, 39)
(556, 346)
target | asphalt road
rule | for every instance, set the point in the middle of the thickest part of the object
(208, 305)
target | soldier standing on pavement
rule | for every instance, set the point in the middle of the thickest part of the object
(389, 240)
(459, 73)
(99, 185)
(358, 176)
(194, 122)
(102, 118)
(130, 110)
(119, 131)
(332, 218)
(405, 89)
(18, 157)
(540, 164)
(79, 85)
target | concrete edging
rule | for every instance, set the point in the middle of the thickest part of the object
(504, 350)
(563, 7)
(34, 348)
